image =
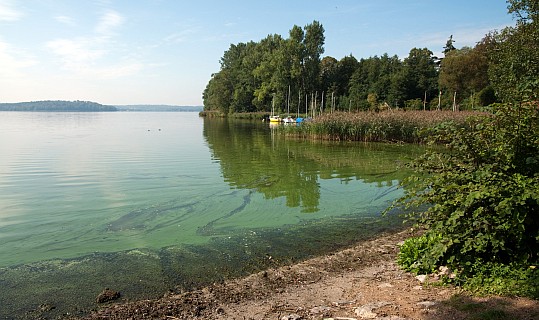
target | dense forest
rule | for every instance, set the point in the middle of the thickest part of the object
(56, 106)
(292, 72)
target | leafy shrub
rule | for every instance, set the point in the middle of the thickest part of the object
(500, 279)
(482, 192)
(416, 254)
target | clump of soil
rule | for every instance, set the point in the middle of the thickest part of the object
(362, 282)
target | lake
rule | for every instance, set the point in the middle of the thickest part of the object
(148, 202)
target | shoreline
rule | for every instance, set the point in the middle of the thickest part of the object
(361, 282)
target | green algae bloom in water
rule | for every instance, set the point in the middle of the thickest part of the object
(148, 202)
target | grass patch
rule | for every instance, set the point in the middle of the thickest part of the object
(476, 310)
(503, 280)
(490, 315)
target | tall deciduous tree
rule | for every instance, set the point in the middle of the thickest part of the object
(464, 72)
(515, 62)
(420, 68)
(314, 48)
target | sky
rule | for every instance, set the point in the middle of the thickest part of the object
(120, 52)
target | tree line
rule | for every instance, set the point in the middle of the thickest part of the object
(291, 74)
(56, 106)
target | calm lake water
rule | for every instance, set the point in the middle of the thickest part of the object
(149, 202)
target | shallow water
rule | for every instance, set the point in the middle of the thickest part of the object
(149, 202)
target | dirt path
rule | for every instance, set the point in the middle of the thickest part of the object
(362, 282)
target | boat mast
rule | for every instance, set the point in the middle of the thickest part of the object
(288, 102)
(273, 105)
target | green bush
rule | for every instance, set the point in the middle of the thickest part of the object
(481, 193)
(501, 279)
(419, 255)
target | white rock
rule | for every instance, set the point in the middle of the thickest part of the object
(292, 316)
(426, 304)
(366, 311)
(444, 271)
(319, 309)
(422, 278)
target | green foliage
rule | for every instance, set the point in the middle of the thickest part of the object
(253, 74)
(449, 45)
(503, 66)
(501, 279)
(465, 71)
(514, 62)
(414, 104)
(419, 254)
(482, 192)
(487, 96)
(394, 81)
(480, 196)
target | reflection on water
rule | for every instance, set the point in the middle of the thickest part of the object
(147, 202)
(300, 170)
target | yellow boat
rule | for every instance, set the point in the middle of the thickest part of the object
(275, 119)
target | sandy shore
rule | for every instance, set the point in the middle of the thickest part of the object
(362, 282)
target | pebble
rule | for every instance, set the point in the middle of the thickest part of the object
(426, 304)
(292, 316)
(366, 311)
(320, 309)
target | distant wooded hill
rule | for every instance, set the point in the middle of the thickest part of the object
(88, 106)
(56, 106)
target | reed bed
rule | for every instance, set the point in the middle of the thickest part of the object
(387, 126)
(238, 115)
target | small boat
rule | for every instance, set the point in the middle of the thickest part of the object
(275, 119)
(289, 120)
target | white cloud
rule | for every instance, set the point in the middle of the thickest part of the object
(122, 69)
(108, 22)
(88, 57)
(178, 37)
(13, 61)
(76, 51)
(95, 55)
(8, 12)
